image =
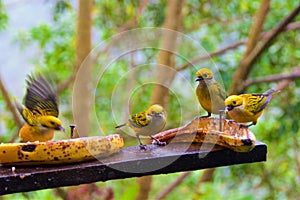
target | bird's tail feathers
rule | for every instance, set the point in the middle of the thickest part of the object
(121, 125)
(271, 91)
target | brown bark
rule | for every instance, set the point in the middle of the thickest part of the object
(164, 76)
(245, 66)
(11, 108)
(290, 27)
(254, 51)
(144, 187)
(206, 176)
(166, 57)
(284, 83)
(273, 78)
(172, 186)
(82, 94)
(257, 26)
(247, 62)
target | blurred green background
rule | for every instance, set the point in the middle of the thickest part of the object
(41, 36)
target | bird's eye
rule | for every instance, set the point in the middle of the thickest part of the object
(52, 123)
(205, 75)
(233, 102)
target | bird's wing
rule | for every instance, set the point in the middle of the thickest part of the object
(139, 120)
(40, 99)
(27, 115)
(257, 102)
(222, 92)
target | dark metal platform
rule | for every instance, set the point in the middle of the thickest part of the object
(129, 162)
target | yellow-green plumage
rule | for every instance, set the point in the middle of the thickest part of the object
(246, 108)
(40, 111)
(148, 122)
(139, 120)
(211, 95)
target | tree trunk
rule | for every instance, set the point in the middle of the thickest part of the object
(166, 59)
(164, 78)
(82, 94)
(244, 69)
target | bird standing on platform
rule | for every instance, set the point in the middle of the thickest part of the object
(211, 95)
(147, 123)
(247, 108)
(40, 111)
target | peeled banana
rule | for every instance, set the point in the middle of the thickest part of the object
(225, 133)
(60, 151)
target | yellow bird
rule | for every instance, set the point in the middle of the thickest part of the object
(247, 108)
(147, 123)
(40, 111)
(211, 95)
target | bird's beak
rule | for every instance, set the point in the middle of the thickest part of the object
(60, 128)
(199, 78)
(228, 108)
(159, 115)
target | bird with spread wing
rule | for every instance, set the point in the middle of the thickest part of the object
(40, 111)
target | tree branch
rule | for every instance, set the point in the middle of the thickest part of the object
(290, 27)
(272, 78)
(284, 83)
(172, 186)
(11, 108)
(206, 57)
(128, 25)
(173, 21)
(246, 64)
(10, 105)
(257, 27)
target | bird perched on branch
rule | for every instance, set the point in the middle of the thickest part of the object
(147, 123)
(247, 108)
(40, 111)
(210, 94)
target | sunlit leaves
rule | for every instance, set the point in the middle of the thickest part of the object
(3, 16)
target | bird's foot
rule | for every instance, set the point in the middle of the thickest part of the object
(246, 126)
(205, 116)
(143, 146)
(231, 121)
(159, 143)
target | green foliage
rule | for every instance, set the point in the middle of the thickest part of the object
(215, 25)
(3, 16)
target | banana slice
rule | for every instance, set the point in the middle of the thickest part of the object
(207, 130)
(60, 151)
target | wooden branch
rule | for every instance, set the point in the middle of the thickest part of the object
(290, 27)
(257, 27)
(129, 162)
(128, 25)
(144, 183)
(172, 186)
(82, 95)
(284, 83)
(272, 78)
(246, 64)
(209, 56)
(165, 57)
(11, 108)
(244, 69)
